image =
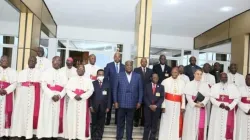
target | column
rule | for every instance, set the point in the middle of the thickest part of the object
(52, 49)
(240, 53)
(29, 38)
(143, 26)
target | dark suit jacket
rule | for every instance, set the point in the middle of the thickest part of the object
(216, 75)
(128, 94)
(188, 71)
(145, 78)
(97, 98)
(150, 98)
(162, 74)
(110, 72)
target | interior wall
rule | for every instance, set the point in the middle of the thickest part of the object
(9, 28)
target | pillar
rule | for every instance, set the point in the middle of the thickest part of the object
(29, 38)
(143, 26)
(52, 49)
(240, 53)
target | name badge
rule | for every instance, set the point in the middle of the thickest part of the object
(157, 94)
(166, 74)
(104, 92)
(248, 98)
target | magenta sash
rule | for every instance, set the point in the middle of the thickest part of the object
(8, 105)
(230, 116)
(37, 101)
(87, 125)
(245, 100)
(202, 120)
(93, 77)
(59, 89)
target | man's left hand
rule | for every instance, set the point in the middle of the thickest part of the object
(138, 106)
(227, 108)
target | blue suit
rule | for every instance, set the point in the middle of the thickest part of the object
(127, 95)
(110, 74)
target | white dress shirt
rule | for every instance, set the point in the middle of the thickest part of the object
(162, 67)
(129, 76)
(118, 65)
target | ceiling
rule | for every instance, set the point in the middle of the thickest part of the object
(186, 18)
(7, 12)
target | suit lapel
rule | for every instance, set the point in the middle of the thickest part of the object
(125, 77)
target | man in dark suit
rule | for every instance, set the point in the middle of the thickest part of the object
(127, 94)
(100, 104)
(191, 68)
(153, 98)
(216, 72)
(110, 72)
(162, 69)
(146, 74)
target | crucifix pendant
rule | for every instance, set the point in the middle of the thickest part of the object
(222, 98)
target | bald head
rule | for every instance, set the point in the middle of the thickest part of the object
(56, 62)
(233, 68)
(80, 70)
(5, 61)
(117, 57)
(128, 66)
(206, 68)
(40, 52)
(175, 72)
(92, 59)
(32, 62)
(217, 66)
(192, 60)
(223, 77)
(144, 62)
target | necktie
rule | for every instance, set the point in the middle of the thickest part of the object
(154, 87)
(100, 84)
(116, 67)
(144, 71)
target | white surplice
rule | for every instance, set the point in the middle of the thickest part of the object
(192, 113)
(169, 126)
(6, 75)
(237, 79)
(69, 72)
(22, 118)
(90, 70)
(184, 78)
(218, 119)
(43, 63)
(210, 80)
(78, 110)
(48, 123)
(243, 120)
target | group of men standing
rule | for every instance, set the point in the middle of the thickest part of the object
(50, 102)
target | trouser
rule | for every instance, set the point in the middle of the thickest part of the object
(98, 121)
(125, 114)
(139, 115)
(110, 112)
(151, 123)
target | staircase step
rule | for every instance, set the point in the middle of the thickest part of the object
(136, 135)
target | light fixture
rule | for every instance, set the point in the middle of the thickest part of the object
(226, 9)
(172, 2)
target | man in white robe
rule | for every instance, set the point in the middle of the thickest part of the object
(79, 89)
(224, 97)
(243, 112)
(8, 82)
(51, 122)
(42, 62)
(234, 77)
(209, 79)
(91, 69)
(26, 109)
(182, 76)
(174, 106)
(195, 121)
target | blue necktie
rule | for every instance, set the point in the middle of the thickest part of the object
(116, 67)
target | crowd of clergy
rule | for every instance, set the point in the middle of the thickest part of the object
(47, 101)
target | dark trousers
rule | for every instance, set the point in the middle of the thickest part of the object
(110, 112)
(125, 114)
(151, 123)
(139, 115)
(98, 121)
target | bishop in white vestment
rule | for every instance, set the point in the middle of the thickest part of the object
(243, 112)
(26, 109)
(195, 121)
(224, 97)
(69, 70)
(79, 89)
(52, 121)
(174, 105)
(42, 62)
(91, 69)
(8, 82)
(182, 76)
(234, 77)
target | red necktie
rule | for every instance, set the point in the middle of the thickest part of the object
(154, 87)
(100, 83)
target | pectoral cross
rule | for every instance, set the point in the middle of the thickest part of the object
(223, 97)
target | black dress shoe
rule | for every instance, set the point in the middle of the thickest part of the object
(107, 123)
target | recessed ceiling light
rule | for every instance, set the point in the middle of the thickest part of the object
(226, 9)
(172, 2)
